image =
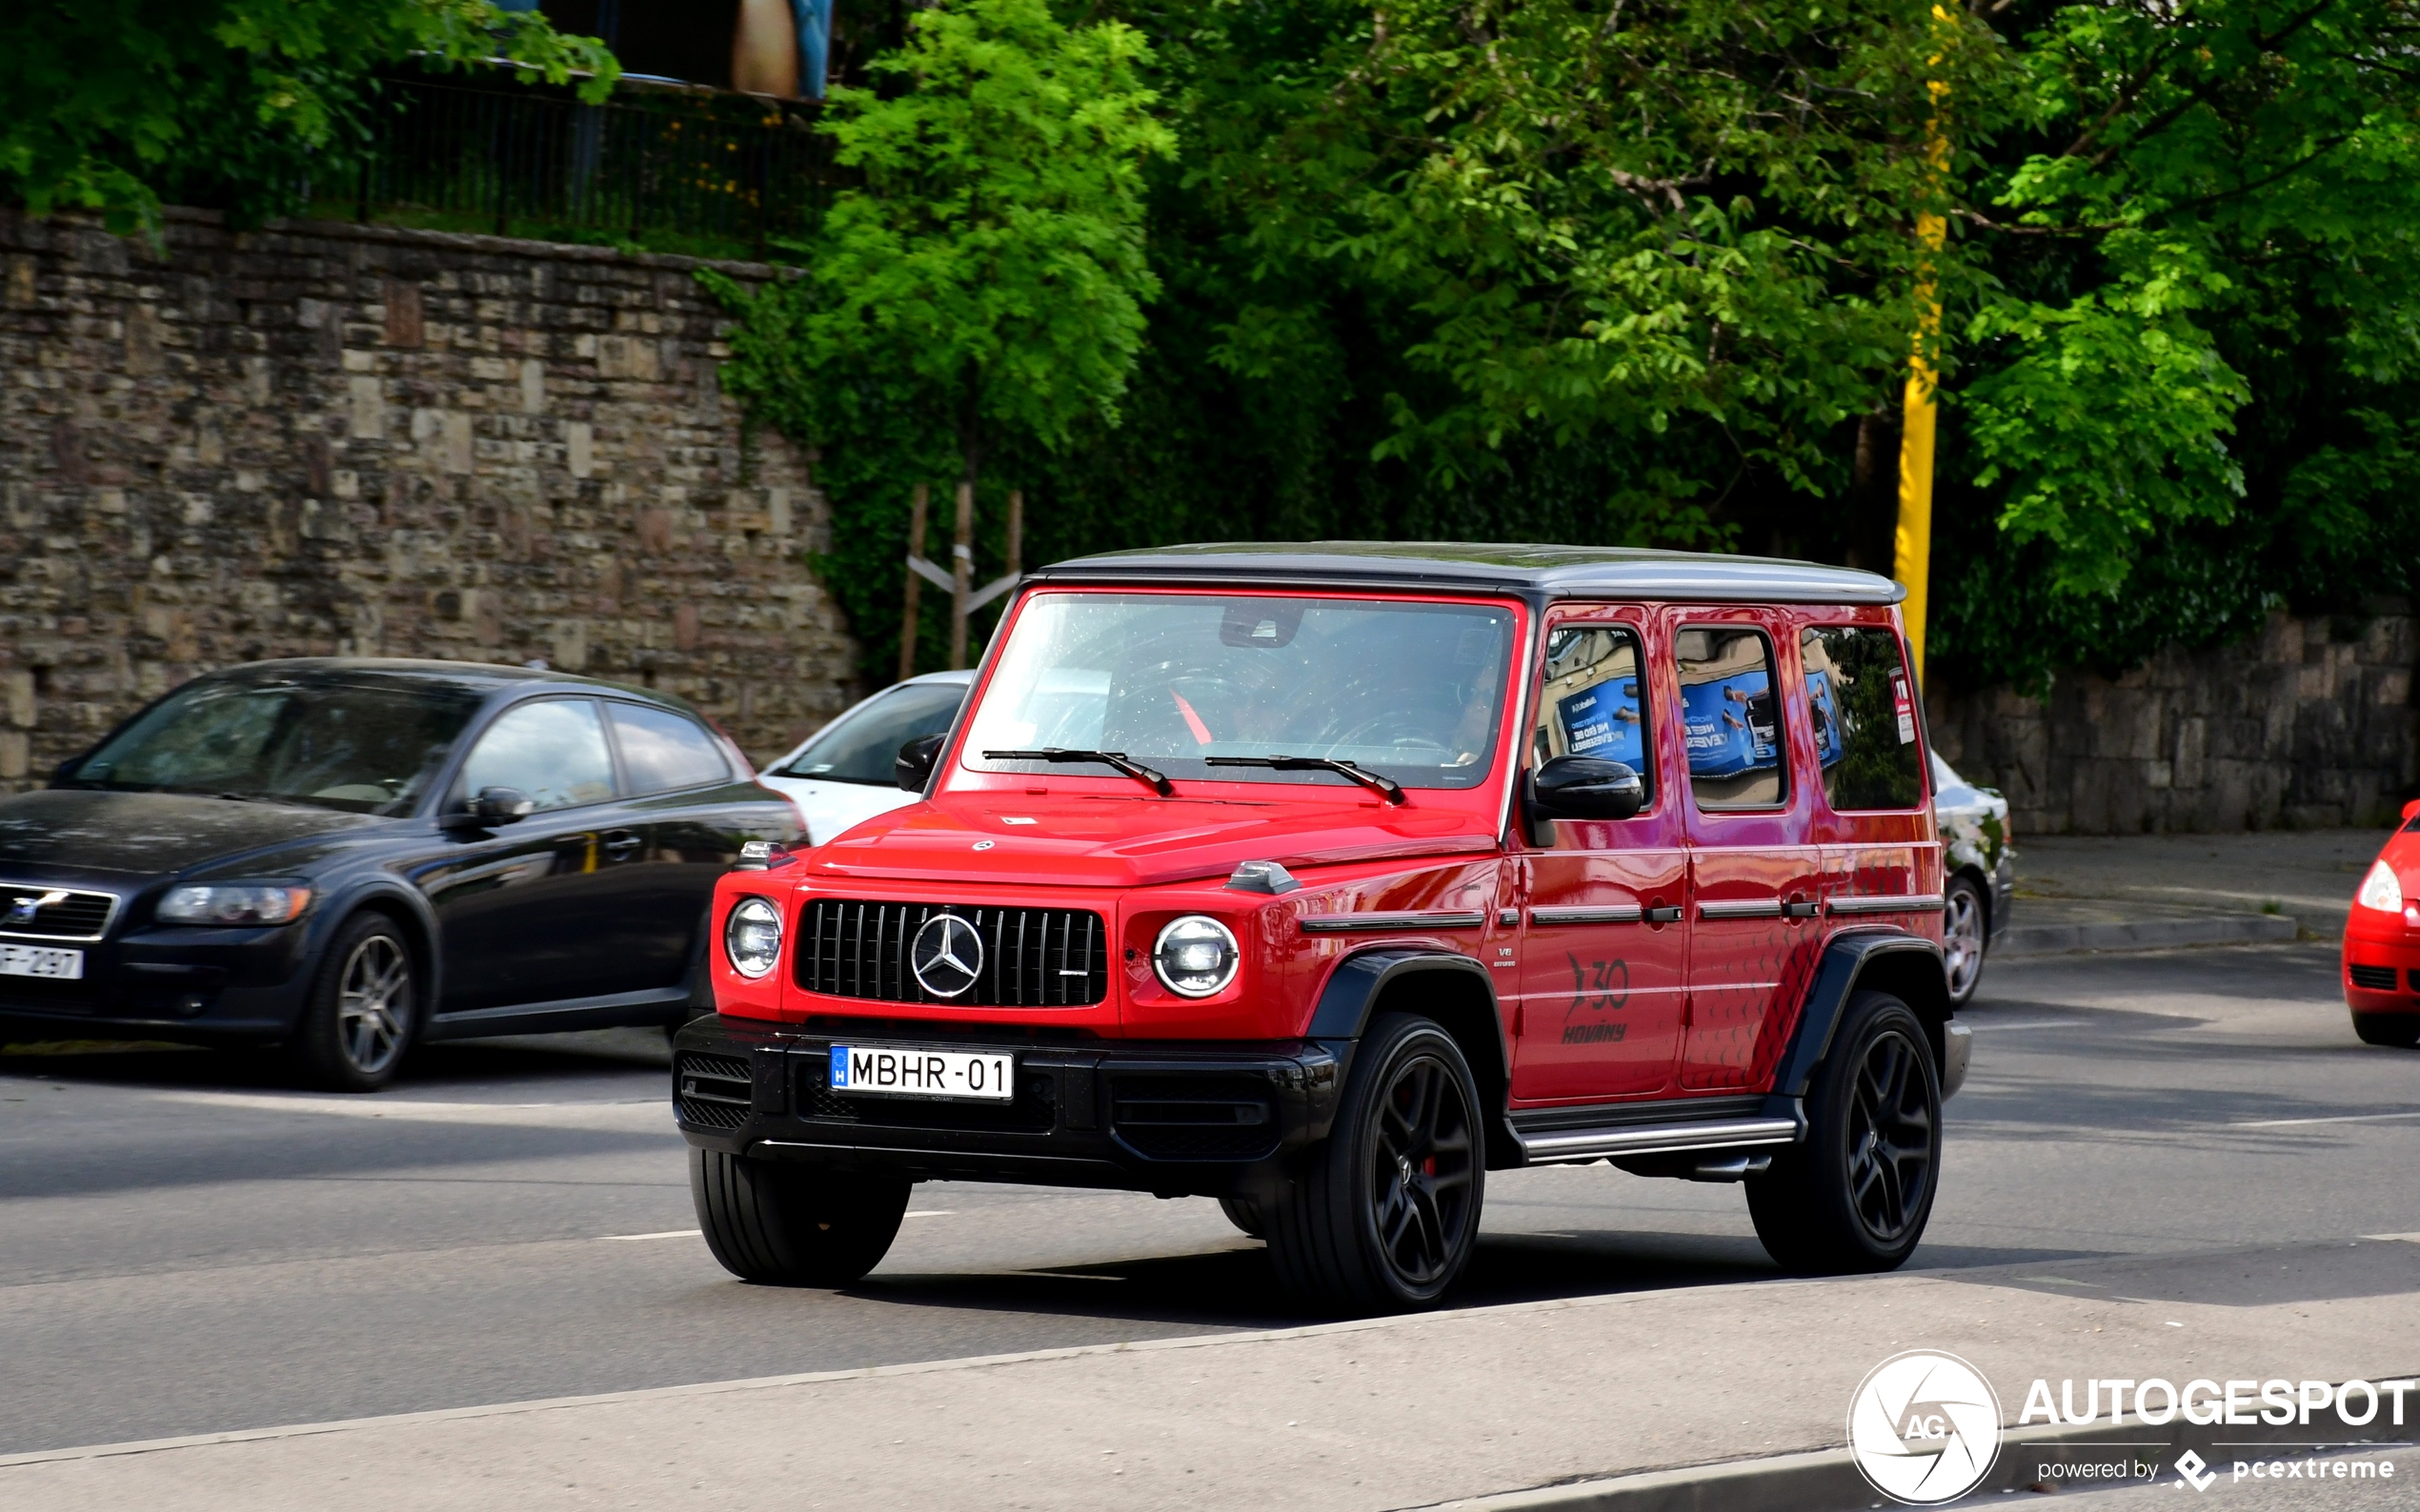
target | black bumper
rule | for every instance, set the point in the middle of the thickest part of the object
(1195, 1118)
(226, 986)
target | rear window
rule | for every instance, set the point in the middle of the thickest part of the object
(662, 750)
(861, 745)
(1865, 717)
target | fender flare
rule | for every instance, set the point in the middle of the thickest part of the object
(350, 900)
(1358, 981)
(1852, 962)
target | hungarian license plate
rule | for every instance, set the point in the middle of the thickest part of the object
(916, 1071)
(41, 961)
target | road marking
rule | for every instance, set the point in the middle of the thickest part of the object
(617, 1114)
(2345, 1118)
(2038, 1023)
(670, 1233)
(930, 1211)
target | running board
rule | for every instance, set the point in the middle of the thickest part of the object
(1569, 1146)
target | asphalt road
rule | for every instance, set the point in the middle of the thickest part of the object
(186, 1246)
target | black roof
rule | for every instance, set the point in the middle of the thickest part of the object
(1456, 567)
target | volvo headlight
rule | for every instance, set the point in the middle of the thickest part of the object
(232, 903)
(751, 937)
(1195, 955)
(2381, 891)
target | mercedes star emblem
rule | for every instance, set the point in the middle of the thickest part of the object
(946, 956)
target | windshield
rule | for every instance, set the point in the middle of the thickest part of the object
(363, 747)
(861, 745)
(1412, 691)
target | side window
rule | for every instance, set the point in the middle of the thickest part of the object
(552, 750)
(662, 750)
(1594, 700)
(1865, 717)
(1730, 717)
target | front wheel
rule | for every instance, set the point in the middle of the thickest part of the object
(794, 1225)
(1384, 1213)
(2399, 1030)
(363, 1010)
(1965, 936)
(1856, 1194)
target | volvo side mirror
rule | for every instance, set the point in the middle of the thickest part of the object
(913, 768)
(1583, 787)
(491, 807)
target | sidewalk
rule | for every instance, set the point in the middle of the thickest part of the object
(2149, 890)
(1388, 1413)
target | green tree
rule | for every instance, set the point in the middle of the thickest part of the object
(982, 287)
(114, 105)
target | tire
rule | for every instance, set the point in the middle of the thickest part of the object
(1384, 1214)
(1856, 1194)
(364, 1008)
(2402, 1031)
(794, 1225)
(1965, 936)
(1245, 1215)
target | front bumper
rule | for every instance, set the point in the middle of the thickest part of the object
(1189, 1118)
(2003, 893)
(2380, 968)
(208, 985)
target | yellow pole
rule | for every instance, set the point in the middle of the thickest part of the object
(1911, 556)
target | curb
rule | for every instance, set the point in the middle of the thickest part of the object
(1829, 1479)
(2156, 933)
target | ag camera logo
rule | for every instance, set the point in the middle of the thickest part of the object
(1924, 1428)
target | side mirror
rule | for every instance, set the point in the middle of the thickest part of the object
(491, 807)
(2412, 810)
(1582, 787)
(913, 768)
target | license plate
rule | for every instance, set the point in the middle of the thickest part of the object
(913, 1070)
(40, 961)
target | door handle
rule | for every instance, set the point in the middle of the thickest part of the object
(621, 845)
(1664, 914)
(1798, 908)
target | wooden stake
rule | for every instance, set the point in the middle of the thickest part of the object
(1015, 531)
(915, 548)
(961, 572)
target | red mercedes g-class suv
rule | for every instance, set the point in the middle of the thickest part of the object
(1324, 879)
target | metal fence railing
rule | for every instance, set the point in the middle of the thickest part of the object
(706, 166)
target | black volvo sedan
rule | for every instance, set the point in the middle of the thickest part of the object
(345, 856)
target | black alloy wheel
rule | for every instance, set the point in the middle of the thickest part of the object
(1856, 1194)
(1384, 1215)
(364, 1009)
(787, 1225)
(2399, 1030)
(1965, 935)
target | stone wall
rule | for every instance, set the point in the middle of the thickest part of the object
(2309, 724)
(323, 439)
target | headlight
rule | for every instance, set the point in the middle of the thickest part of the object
(751, 937)
(233, 903)
(2381, 891)
(1195, 955)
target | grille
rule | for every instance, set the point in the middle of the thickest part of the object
(73, 916)
(1033, 958)
(1035, 1110)
(1195, 1118)
(2376, 979)
(714, 1092)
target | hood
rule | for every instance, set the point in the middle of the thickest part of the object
(1142, 841)
(151, 834)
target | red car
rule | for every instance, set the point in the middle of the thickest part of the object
(2382, 944)
(1325, 879)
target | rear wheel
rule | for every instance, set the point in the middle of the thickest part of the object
(1966, 934)
(1384, 1214)
(794, 1225)
(2399, 1030)
(1856, 1194)
(363, 1010)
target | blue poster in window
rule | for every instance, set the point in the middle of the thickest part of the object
(1729, 724)
(1604, 721)
(1829, 747)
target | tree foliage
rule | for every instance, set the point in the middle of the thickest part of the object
(114, 105)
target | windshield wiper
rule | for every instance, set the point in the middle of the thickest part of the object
(1384, 787)
(1109, 758)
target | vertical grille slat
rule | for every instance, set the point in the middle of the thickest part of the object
(1054, 957)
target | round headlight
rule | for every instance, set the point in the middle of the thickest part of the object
(1195, 955)
(751, 937)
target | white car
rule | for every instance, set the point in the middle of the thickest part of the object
(842, 775)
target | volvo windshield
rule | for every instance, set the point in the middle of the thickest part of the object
(1411, 692)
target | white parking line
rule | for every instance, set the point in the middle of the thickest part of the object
(2345, 1118)
(930, 1211)
(670, 1233)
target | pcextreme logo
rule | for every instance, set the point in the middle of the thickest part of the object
(1924, 1428)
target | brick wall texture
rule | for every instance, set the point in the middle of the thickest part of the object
(320, 440)
(2309, 724)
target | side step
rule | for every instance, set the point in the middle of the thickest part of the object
(1570, 1146)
